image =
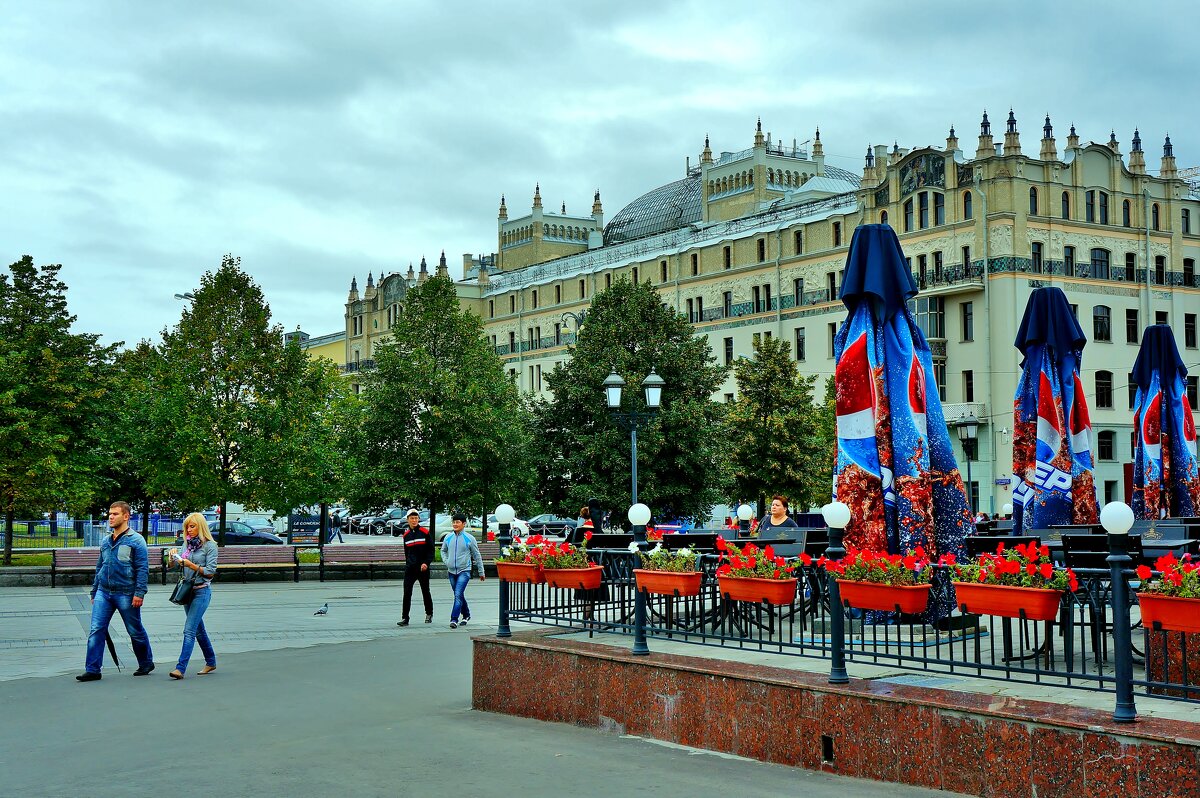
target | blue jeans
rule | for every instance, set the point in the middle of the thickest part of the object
(193, 631)
(103, 607)
(459, 581)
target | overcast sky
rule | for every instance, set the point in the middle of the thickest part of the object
(139, 142)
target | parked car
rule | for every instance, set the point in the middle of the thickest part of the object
(518, 529)
(384, 524)
(239, 533)
(551, 525)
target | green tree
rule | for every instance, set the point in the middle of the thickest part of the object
(441, 423)
(774, 430)
(682, 463)
(54, 397)
(826, 434)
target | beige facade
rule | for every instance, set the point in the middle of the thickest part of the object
(752, 243)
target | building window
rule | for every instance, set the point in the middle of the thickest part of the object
(923, 209)
(535, 299)
(635, 275)
(1131, 326)
(1101, 323)
(832, 336)
(728, 398)
(939, 209)
(756, 297)
(1075, 311)
(837, 234)
(582, 289)
(728, 351)
(939, 377)
(558, 294)
(1132, 391)
(1191, 391)
(968, 321)
(1126, 221)
(727, 304)
(512, 304)
(539, 378)
(491, 308)
(1100, 264)
(800, 353)
(798, 291)
(1069, 261)
(512, 342)
(1104, 397)
(1033, 203)
(766, 297)
(883, 217)
(1130, 267)
(1189, 272)
(1036, 252)
(699, 308)
(557, 334)
(967, 210)
(1161, 317)
(1154, 216)
(1066, 205)
(1089, 206)
(691, 311)
(1107, 442)
(757, 339)
(1160, 269)
(695, 264)
(608, 280)
(728, 257)
(1185, 220)
(966, 256)
(762, 249)
(937, 266)
(968, 386)
(831, 287)
(1189, 330)
(922, 270)
(929, 313)
(908, 215)
(798, 242)
(1103, 208)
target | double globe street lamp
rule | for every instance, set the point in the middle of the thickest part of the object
(614, 384)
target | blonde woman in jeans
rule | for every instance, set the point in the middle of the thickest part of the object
(199, 563)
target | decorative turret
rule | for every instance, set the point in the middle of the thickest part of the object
(951, 141)
(411, 277)
(353, 297)
(1049, 148)
(1167, 169)
(986, 148)
(370, 289)
(1012, 138)
(895, 154)
(706, 155)
(598, 210)
(1112, 143)
(759, 141)
(1073, 139)
(869, 166)
(424, 274)
(1137, 158)
(503, 215)
(563, 210)
(443, 270)
(818, 149)
(537, 195)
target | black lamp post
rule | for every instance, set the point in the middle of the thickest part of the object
(504, 517)
(837, 515)
(968, 432)
(1117, 518)
(613, 387)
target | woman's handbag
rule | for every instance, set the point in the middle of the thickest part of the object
(182, 594)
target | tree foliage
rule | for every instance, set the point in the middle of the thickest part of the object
(583, 453)
(54, 397)
(441, 424)
(776, 437)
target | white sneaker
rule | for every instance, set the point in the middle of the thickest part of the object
(463, 622)
(454, 624)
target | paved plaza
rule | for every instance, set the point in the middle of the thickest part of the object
(345, 704)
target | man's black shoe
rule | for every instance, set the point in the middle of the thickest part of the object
(144, 671)
(428, 619)
(402, 623)
(88, 677)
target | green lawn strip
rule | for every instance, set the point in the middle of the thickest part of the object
(42, 558)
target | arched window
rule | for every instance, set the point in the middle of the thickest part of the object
(1125, 220)
(1066, 205)
(1033, 203)
(1101, 323)
(883, 217)
(1154, 216)
(967, 211)
(1104, 395)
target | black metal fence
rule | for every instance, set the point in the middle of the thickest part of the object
(1082, 648)
(52, 534)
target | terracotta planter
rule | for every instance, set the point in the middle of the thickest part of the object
(668, 583)
(579, 578)
(520, 572)
(1171, 612)
(745, 588)
(911, 599)
(1039, 604)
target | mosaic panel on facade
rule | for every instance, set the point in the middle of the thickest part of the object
(921, 171)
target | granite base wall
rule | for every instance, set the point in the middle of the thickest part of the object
(970, 743)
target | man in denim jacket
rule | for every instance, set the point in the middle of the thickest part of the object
(122, 571)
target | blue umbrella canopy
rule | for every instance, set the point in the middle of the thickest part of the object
(1166, 476)
(1053, 481)
(895, 463)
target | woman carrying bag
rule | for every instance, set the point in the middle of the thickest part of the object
(199, 564)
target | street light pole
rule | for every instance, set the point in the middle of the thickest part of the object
(968, 432)
(613, 386)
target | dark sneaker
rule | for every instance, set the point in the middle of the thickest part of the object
(88, 677)
(454, 624)
(145, 670)
(402, 623)
(428, 619)
(463, 622)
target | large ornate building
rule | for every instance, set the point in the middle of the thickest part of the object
(752, 243)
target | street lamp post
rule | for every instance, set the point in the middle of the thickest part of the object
(504, 517)
(187, 297)
(1117, 518)
(613, 387)
(837, 515)
(744, 513)
(639, 516)
(968, 431)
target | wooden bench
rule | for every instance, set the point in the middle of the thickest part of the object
(350, 555)
(83, 561)
(258, 558)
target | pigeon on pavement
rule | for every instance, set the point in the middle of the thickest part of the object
(324, 609)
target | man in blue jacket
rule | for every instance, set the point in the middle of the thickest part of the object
(460, 553)
(122, 571)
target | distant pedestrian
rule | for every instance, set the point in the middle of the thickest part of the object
(199, 562)
(335, 528)
(460, 553)
(418, 556)
(122, 573)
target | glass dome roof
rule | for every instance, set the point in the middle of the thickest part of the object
(668, 207)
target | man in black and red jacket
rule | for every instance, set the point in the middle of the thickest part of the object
(418, 556)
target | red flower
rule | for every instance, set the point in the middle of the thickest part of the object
(1030, 569)
(1144, 572)
(721, 544)
(491, 536)
(1047, 570)
(805, 559)
(587, 535)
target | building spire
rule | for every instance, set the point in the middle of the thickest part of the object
(1012, 137)
(1112, 142)
(1049, 148)
(564, 208)
(818, 149)
(537, 195)
(986, 148)
(503, 209)
(443, 269)
(759, 141)
(1137, 140)
(706, 155)
(1073, 139)
(951, 140)
(1167, 169)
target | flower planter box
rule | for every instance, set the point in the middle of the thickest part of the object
(745, 588)
(1004, 601)
(520, 572)
(668, 583)
(1172, 613)
(579, 578)
(911, 599)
